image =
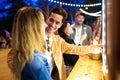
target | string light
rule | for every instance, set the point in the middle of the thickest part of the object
(75, 5)
(86, 6)
(91, 14)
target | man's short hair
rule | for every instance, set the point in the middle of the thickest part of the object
(59, 11)
(79, 13)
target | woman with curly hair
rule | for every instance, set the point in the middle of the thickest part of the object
(25, 58)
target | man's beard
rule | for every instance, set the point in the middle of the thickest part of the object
(79, 23)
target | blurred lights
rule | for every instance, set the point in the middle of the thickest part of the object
(75, 5)
(91, 14)
(3, 14)
(7, 6)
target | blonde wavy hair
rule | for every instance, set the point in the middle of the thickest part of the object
(27, 35)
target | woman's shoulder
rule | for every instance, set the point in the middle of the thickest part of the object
(38, 53)
(38, 57)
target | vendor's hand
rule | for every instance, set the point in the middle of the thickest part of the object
(94, 48)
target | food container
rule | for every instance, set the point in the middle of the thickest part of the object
(96, 54)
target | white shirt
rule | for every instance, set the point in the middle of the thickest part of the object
(77, 35)
(49, 56)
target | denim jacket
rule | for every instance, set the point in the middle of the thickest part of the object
(37, 69)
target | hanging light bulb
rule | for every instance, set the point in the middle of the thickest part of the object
(86, 8)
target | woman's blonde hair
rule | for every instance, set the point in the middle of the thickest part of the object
(27, 35)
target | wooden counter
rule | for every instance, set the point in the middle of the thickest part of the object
(86, 68)
(5, 73)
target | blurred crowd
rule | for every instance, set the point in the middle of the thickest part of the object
(5, 39)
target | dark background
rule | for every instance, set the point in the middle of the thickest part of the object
(8, 8)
